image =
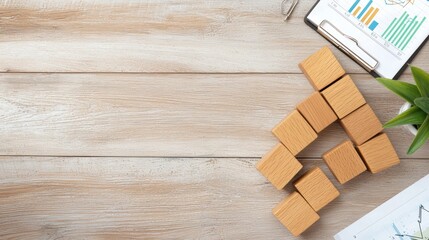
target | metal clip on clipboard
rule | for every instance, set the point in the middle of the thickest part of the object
(348, 44)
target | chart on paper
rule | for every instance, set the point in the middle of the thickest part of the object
(404, 217)
(394, 24)
(412, 232)
(403, 223)
(390, 30)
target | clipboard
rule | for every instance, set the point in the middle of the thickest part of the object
(350, 46)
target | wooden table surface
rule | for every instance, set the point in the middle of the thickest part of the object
(144, 119)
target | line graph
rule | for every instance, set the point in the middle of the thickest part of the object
(402, 3)
(403, 217)
(421, 235)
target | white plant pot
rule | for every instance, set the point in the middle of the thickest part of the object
(411, 128)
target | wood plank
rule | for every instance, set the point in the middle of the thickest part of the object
(185, 115)
(106, 198)
(157, 36)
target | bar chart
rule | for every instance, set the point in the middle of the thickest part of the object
(401, 30)
(365, 14)
(391, 31)
(392, 23)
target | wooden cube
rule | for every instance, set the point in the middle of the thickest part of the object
(316, 188)
(343, 96)
(317, 112)
(279, 166)
(295, 132)
(344, 162)
(379, 153)
(362, 124)
(322, 68)
(295, 214)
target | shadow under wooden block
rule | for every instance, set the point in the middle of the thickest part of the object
(362, 124)
(378, 153)
(344, 162)
(322, 68)
(343, 96)
(279, 166)
(295, 132)
(295, 214)
(317, 112)
(316, 188)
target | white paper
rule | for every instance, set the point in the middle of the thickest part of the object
(403, 217)
(390, 30)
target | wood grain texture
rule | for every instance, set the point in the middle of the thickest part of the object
(279, 166)
(183, 115)
(295, 132)
(344, 96)
(158, 36)
(316, 188)
(99, 83)
(362, 124)
(344, 162)
(322, 68)
(295, 214)
(146, 198)
(378, 153)
(317, 112)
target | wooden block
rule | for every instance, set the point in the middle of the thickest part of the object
(379, 153)
(316, 188)
(295, 214)
(317, 112)
(344, 162)
(322, 68)
(279, 166)
(343, 96)
(362, 124)
(295, 132)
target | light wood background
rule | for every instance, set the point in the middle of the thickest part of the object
(144, 119)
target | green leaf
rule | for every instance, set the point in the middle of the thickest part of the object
(422, 103)
(405, 90)
(414, 115)
(421, 137)
(422, 80)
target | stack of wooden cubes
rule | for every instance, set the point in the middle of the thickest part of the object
(336, 98)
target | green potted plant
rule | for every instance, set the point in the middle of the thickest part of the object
(414, 114)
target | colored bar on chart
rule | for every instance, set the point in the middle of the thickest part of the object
(405, 31)
(401, 24)
(373, 25)
(414, 32)
(401, 29)
(356, 11)
(367, 14)
(353, 6)
(364, 9)
(372, 16)
(395, 25)
(390, 27)
(408, 34)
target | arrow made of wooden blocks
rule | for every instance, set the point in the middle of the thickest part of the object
(336, 97)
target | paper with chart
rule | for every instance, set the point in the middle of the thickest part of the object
(390, 30)
(404, 217)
